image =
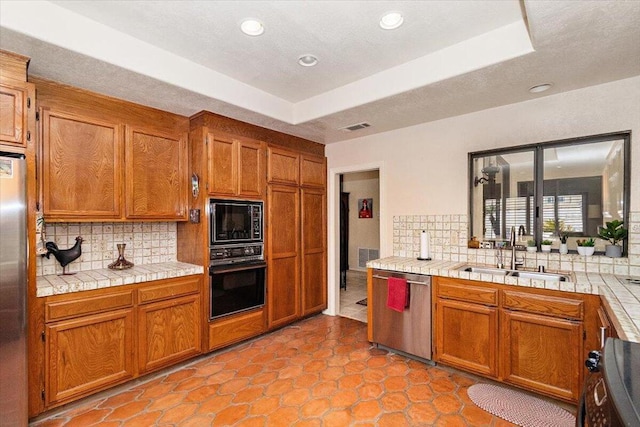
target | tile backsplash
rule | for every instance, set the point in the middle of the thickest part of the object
(450, 235)
(147, 243)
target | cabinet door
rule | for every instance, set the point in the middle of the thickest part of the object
(12, 118)
(283, 167)
(156, 168)
(88, 354)
(81, 168)
(466, 336)
(542, 353)
(223, 165)
(250, 169)
(283, 255)
(314, 283)
(313, 171)
(168, 331)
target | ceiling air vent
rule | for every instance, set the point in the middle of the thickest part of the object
(356, 126)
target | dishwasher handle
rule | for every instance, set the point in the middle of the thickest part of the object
(411, 282)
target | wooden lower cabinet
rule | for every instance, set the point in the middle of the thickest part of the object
(88, 354)
(97, 339)
(168, 332)
(532, 338)
(466, 336)
(541, 353)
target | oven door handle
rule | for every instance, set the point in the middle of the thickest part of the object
(230, 268)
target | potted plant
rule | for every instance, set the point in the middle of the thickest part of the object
(564, 249)
(531, 246)
(546, 245)
(586, 247)
(614, 232)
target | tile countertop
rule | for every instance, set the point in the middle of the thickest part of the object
(105, 278)
(621, 295)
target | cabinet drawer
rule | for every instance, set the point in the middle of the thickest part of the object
(168, 289)
(56, 310)
(460, 291)
(542, 304)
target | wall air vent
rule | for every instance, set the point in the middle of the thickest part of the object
(356, 126)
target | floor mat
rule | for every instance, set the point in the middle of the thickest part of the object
(362, 302)
(519, 408)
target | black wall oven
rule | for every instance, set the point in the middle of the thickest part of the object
(236, 287)
(237, 270)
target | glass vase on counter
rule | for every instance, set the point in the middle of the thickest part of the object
(121, 263)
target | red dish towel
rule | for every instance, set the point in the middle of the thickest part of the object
(397, 294)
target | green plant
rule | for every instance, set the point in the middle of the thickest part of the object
(587, 242)
(547, 242)
(563, 238)
(531, 243)
(614, 231)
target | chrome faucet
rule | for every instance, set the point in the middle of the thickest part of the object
(515, 262)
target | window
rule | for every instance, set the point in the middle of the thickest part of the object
(546, 190)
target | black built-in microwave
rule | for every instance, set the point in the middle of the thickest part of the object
(235, 221)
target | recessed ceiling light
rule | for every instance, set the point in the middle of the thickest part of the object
(307, 60)
(540, 88)
(252, 27)
(391, 20)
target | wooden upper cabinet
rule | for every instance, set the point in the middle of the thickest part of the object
(313, 171)
(250, 168)
(236, 166)
(156, 175)
(12, 118)
(81, 167)
(283, 166)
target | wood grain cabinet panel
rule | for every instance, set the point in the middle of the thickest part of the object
(81, 167)
(313, 171)
(542, 353)
(12, 114)
(466, 336)
(283, 166)
(156, 184)
(314, 283)
(251, 168)
(168, 332)
(236, 166)
(223, 171)
(88, 354)
(283, 253)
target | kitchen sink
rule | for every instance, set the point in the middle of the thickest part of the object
(485, 270)
(556, 277)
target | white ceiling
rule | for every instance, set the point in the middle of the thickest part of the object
(449, 57)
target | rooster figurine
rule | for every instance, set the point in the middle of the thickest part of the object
(65, 256)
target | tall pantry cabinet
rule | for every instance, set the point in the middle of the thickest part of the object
(296, 235)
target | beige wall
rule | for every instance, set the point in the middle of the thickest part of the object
(424, 167)
(363, 233)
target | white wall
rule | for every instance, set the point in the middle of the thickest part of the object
(363, 232)
(425, 166)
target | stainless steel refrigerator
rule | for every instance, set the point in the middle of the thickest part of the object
(13, 291)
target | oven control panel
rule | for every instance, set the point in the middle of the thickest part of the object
(232, 254)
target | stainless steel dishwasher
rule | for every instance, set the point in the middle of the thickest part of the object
(409, 331)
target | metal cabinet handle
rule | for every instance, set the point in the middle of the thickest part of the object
(603, 335)
(412, 282)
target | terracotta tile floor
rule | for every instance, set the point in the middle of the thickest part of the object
(321, 371)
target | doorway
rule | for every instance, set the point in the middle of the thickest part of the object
(359, 238)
